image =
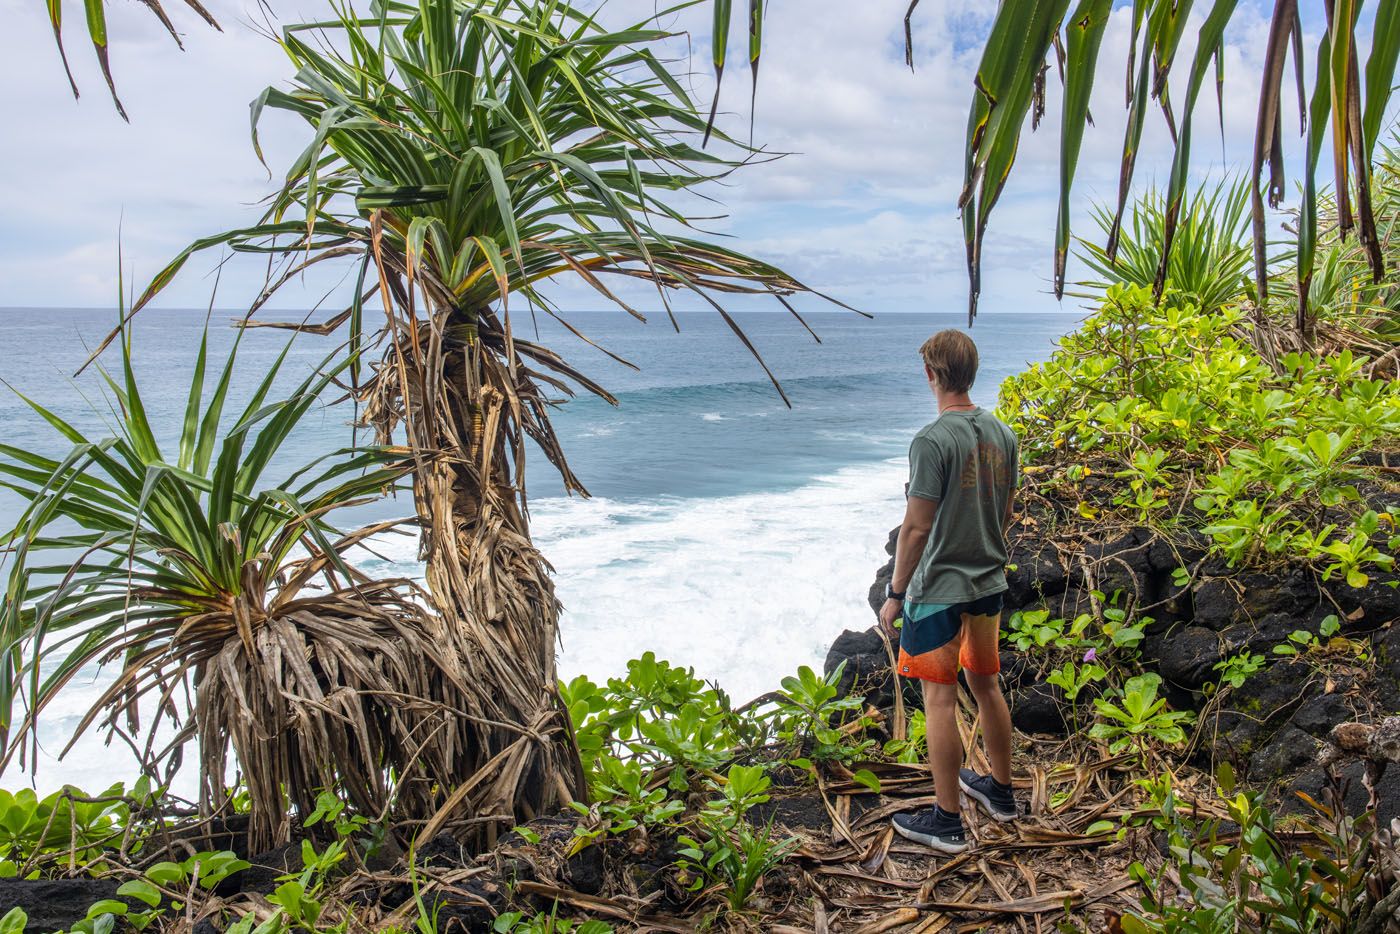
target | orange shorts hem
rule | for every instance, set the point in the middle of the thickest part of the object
(920, 669)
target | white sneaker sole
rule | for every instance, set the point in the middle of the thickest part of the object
(1000, 817)
(932, 842)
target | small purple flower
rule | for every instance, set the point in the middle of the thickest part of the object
(1090, 655)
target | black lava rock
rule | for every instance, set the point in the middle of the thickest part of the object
(1255, 710)
(1286, 751)
(867, 669)
(1039, 708)
(1165, 556)
(586, 870)
(1187, 656)
(442, 851)
(1036, 576)
(876, 596)
(469, 907)
(1216, 604)
(1120, 565)
(262, 875)
(1314, 783)
(1386, 645)
(1316, 717)
(1261, 635)
(1378, 603)
(1016, 670)
(56, 904)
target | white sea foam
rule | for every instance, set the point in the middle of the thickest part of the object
(712, 417)
(743, 588)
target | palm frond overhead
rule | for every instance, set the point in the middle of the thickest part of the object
(1352, 99)
(95, 13)
(1348, 107)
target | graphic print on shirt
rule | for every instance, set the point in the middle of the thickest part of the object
(987, 467)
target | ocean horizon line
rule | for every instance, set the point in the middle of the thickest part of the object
(825, 312)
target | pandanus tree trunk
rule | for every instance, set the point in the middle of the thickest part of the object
(448, 383)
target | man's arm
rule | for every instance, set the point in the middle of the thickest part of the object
(919, 514)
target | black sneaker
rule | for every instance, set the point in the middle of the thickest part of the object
(996, 799)
(934, 828)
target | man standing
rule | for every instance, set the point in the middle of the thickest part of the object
(949, 578)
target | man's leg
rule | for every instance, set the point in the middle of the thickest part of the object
(996, 723)
(935, 663)
(945, 748)
(981, 661)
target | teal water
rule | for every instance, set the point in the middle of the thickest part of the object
(725, 531)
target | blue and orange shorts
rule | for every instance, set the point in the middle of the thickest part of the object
(936, 639)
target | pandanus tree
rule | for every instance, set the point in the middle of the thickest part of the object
(212, 580)
(463, 156)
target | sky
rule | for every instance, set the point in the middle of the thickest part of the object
(863, 207)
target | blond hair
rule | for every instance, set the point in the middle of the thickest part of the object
(951, 357)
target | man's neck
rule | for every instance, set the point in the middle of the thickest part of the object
(956, 401)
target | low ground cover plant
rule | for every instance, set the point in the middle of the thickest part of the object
(658, 738)
(728, 852)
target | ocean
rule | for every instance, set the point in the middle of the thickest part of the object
(725, 531)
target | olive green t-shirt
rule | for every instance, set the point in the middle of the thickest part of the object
(967, 462)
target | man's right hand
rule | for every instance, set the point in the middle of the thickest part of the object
(890, 612)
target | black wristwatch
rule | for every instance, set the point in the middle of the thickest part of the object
(892, 594)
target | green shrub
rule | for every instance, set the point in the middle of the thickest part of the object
(68, 827)
(911, 751)
(624, 802)
(1250, 880)
(1263, 460)
(659, 713)
(809, 709)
